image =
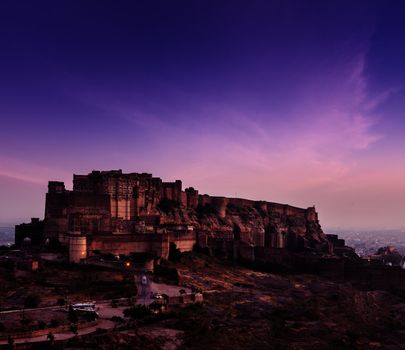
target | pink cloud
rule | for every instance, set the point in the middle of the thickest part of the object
(26, 171)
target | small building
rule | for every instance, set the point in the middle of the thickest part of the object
(31, 232)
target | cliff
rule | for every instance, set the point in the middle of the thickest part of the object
(254, 223)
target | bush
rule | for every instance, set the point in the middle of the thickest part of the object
(73, 328)
(25, 321)
(2, 327)
(32, 301)
(72, 316)
(156, 307)
(137, 312)
(61, 302)
(174, 252)
(117, 319)
(169, 273)
(41, 324)
(54, 323)
(206, 210)
(168, 205)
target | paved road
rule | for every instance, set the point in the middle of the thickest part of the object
(35, 309)
(105, 311)
(103, 324)
(146, 286)
(56, 307)
(103, 308)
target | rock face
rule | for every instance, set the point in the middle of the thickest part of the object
(123, 213)
(390, 256)
(248, 224)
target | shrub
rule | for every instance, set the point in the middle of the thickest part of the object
(25, 321)
(117, 319)
(73, 328)
(41, 324)
(156, 307)
(2, 327)
(137, 312)
(50, 337)
(206, 210)
(61, 302)
(72, 316)
(166, 298)
(169, 273)
(174, 252)
(32, 301)
(54, 323)
(168, 205)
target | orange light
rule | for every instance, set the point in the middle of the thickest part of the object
(127, 264)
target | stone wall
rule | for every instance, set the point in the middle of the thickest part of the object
(184, 241)
(111, 202)
(157, 244)
(33, 231)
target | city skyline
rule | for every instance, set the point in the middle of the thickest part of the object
(284, 101)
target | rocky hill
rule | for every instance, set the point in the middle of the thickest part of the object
(219, 220)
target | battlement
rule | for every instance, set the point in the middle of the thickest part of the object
(121, 205)
(56, 187)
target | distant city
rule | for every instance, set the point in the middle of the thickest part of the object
(6, 235)
(367, 242)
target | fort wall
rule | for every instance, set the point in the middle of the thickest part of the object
(157, 244)
(110, 208)
(184, 241)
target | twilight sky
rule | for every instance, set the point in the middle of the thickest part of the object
(298, 102)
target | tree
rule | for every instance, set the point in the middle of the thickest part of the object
(156, 307)
(10, 341)
(174, 252)
(182, 294)
(73, 328)
(166, 298)
(72, 316)
(25, 321)
(51, 338)
(54, 323)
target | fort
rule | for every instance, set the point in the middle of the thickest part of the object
(123, 235)
(117, 213)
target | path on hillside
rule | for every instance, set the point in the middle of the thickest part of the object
(104, 309)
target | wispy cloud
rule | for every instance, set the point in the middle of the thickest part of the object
(26, 171)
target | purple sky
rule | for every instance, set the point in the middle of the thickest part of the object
(297, 102)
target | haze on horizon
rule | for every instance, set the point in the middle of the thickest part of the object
(297, 102)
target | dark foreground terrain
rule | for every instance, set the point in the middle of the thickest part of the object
(244, 308)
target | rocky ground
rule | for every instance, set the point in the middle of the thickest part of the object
(244, 308)
(55, 282)
(292, 311)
